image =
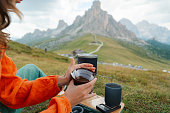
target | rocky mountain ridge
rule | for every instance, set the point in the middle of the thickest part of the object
(145, 30)
(95, 21)
(39, 35)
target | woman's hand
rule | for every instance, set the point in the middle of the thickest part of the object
(76, 94)
(73, 67)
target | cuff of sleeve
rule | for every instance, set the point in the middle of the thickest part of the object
(57, 87)
(62, 103)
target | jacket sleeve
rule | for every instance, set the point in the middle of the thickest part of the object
(16, 93)
(58, 105)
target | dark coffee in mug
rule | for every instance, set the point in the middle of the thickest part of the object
(113, 94)
(82, 76)
(88, 58)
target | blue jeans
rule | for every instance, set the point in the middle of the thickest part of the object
(29, 72)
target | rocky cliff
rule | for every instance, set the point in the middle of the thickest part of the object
(97, 21)
(39, 35)
(146, 31)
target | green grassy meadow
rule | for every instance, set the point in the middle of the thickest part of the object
(115, 51)
(80, 43)
(143, 91)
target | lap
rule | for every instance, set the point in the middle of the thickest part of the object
(30, 72)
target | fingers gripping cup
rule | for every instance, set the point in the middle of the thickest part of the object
(82, 76)
(113, 94)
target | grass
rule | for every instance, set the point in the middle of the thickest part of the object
(143, 91)
(115, 51)
(80, 43)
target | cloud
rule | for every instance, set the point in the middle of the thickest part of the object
(45, 14)
(17, 30)
(155, 11)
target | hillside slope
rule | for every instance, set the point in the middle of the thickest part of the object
(22, 55)
(158, 48)
(116, 51)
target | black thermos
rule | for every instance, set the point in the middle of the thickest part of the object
(88, 58)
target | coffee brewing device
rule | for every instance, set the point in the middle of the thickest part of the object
(88, 58)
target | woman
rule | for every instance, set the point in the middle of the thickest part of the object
(18, 93)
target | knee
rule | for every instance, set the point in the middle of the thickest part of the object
(31, 65)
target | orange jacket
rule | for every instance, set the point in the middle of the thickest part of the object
(16, 93)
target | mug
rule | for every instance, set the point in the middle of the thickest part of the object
(82, 76)
(88, 58)
(113, 94)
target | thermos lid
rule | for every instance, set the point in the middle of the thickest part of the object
(86, 55)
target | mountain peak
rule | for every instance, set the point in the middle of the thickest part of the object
(96, 4)
(37, 31)
(130, 26)
(97, 21)
(143, 22)
(125, 20)
(61, 24)
(95, 9)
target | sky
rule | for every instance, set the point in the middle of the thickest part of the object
(44, 14)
